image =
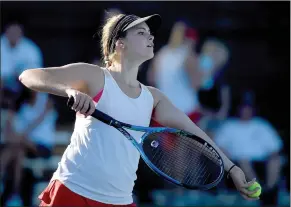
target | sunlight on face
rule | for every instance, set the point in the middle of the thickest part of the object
(139, 42)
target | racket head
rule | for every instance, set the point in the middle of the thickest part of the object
(182, 158)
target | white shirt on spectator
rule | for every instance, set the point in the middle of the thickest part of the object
(14, 60)
(44, 133)
(252, 140)
(172, 79)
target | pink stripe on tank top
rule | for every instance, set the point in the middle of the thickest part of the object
(98, 96)
(95, 99)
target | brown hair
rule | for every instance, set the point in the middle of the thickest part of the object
(106, 31)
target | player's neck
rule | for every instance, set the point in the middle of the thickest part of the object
(126, 72)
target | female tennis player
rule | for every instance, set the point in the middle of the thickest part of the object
(99, 166)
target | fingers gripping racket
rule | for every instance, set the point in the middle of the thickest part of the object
(178, 156)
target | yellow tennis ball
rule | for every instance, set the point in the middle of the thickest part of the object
(253, 187)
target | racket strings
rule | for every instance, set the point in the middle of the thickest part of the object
(182, 158)
(201, 148)
(180, 175)
(169, 159)
(175, 156)
(184, 141)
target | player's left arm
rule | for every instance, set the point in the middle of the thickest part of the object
(168, 115)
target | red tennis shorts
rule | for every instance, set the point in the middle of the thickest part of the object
(57, 194)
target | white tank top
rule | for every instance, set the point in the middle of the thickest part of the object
(100, 163)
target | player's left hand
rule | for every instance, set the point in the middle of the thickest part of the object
(241, 183)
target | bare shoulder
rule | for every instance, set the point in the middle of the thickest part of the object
(157, 94)
(90, 77)
(83, 67)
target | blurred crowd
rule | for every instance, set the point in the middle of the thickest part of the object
(191, 77)
(28, 118)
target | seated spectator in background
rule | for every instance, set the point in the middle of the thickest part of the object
(254, 145)
(17, 54)
(31, 135)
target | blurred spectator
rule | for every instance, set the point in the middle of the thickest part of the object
(214, 92)
(254, 145)
(169, 68)
(32, 136)
(26, 131)
(17, 54)
(190, 80)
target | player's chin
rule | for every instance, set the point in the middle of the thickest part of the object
(146, 55)
(150, 54)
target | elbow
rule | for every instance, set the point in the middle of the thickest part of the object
(21, 77)
(25, 78)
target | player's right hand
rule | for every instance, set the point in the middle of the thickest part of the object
(82, 102)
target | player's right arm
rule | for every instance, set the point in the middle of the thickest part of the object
(60, 81)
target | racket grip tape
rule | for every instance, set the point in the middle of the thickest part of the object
(96, 114)
(70, 102)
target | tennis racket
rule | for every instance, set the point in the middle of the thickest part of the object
(178, 156)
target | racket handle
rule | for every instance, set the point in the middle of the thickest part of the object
(97, 114)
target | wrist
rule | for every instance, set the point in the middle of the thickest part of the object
(227, 164)
(231, 169)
